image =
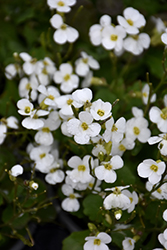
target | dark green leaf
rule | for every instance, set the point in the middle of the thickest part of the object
(75, 241)
(92, 204)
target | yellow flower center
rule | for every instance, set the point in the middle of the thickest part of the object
(44, 71)
(97, 242)
(136, 130)
(84, 126)
(28, 86)
(51, 97)
(66, 77)
(72, 196)
(108, 166)
(42, 155)
(131, 199)
(159, 190)
(130, 242)
(113, 37)
(69, 101)
(27, 110)
(130, 22)
(85, 60)
(53, 170)
(154, 168)
(114, 128)
(164, 114)
(145, 94)
(165, 137)
(46, 130)
(33, 61)
(117, 191)
(60, 3)
(81, 168)
(63, 26)
(100, 112)
(122, 147)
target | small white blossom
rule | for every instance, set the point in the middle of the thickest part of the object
(106, 171)
(64, 33)
(16, 170)
(81, 171)
(84, 64)
(97, 242)
(113, 38)
(137, 44)
(70, 204)
(132, 20)
(145, 94)
(151, 169)
(95, 31)
(116, 199)
(63, 6)
(159, 117)
(83, 128)
(30, 64)
(66, 78)
(128, 243)
(100, 110)
(162, 146)
(164, 37)
(133, 197)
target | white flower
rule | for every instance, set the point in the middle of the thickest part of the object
(112, 37)
(100, 110)
(128, 243)
(64, 33)
(120, 147)
(132, 20)
(70, 204)
(84, 64)
(82, 97)
(137, 44)
(11, 71)
(81, 171)
(30, 64)
(159, 24)
(3, 131)
(145, 94)
(44, 135)
(136, 128)
(97, 242)
(114, 131)
(55, 173)
(34, 122)
(151, 169)
(116, 199)
(159, 117)
(48, 95)
(43, 159)
(83, 128)
(28, 87)
(95, 31)
(165, 215)
(61, 5)
(16, 170)
(164, 37)
(106, 170)
(25, 107)
(33, 185)
(162, 146)
(133, 197)
(66, 78)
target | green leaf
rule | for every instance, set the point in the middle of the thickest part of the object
(8, 100)
(92, 204)
(75, 241)
(22, 221)
(117, 238)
